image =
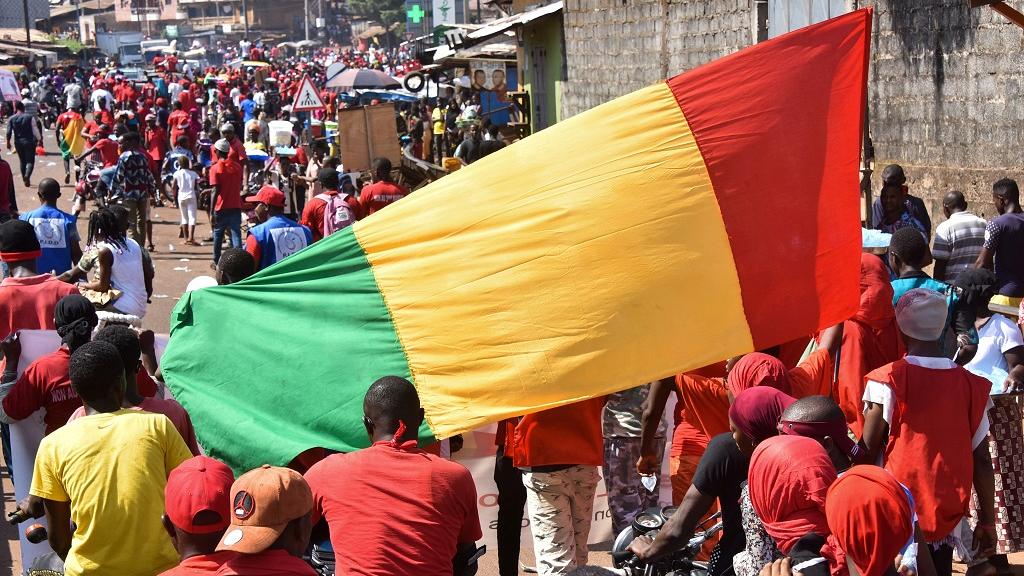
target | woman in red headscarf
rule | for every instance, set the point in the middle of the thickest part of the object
(789, 477)
(871, 339)
(784, 500)
(754, 416)
(868, 514)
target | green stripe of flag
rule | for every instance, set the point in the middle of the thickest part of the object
(234, 353)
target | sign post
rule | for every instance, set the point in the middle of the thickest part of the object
(307, 97)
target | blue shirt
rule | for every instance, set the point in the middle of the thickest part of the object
(248, 109)
(280, 237)
(56, 232)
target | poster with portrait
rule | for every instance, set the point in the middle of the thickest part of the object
(489, 75)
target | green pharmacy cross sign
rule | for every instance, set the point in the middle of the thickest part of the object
(415, 13)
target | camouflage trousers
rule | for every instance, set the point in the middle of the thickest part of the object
(626, 495)
(561, 508)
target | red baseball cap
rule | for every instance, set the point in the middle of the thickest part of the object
(199, 484)
(268, 195)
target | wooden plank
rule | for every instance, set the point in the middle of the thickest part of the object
(1010, 13)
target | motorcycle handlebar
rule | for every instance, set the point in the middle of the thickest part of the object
(622, 555)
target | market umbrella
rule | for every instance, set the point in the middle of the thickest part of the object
(363, 79)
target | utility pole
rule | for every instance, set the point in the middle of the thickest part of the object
(305, 6)
(245, 18)
(81, 32)
(28, 31)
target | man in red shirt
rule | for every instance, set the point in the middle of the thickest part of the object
(156, 147)
(197, 511)
(27, 299)
(313, 213)
(237, 148)
(63, 121)
(382, 191)
(45, 383)
(559, 451)
(270, 524)
(107, 149)
(226, 180)
(178, 122)
(395, 492)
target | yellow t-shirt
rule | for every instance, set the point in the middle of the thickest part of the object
(438, 118)
(113, 468)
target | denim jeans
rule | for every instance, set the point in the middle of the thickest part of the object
(26, 157)
(229, 218)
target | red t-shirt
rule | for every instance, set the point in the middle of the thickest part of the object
(274, 562)
(27, 303)
(44, 384)
(227, 177)
(379, 194)
(64, 119)
(423, 504)
(202, 564)
(313, 214)
(237, 153)
(109, 151)
(156, 143)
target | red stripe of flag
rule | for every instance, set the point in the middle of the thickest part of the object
(782, 147)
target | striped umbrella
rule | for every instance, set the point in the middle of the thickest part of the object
(363, 79)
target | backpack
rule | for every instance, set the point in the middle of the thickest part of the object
(338, 215)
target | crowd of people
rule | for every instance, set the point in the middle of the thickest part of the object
(888, 444)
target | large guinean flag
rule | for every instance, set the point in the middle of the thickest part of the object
(706, 216)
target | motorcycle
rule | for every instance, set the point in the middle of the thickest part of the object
(680, 563)
(48, 115)
(90, 185)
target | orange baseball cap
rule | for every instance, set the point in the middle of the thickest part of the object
(263, 502)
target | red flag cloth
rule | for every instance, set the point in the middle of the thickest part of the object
(871, 339)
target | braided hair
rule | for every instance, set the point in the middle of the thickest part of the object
(105, 222)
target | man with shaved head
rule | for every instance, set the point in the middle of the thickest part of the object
(395, 492)
(821, 418)
(958, 240)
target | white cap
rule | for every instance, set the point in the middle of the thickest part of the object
(222, 145)
(227, 126)
(921, 314)
(200, 282)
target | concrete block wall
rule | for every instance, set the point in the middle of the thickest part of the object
(945, 97)
(614, 47)
(944, 87)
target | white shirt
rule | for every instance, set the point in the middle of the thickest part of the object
(186, 182)
(127, 276)
(996, 337)
(73, 92)
(100, 99)
(881, 394)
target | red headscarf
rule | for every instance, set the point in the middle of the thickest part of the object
(756, 412)
(869, 516)
(871, 339)
(757, 369)
(789, 477)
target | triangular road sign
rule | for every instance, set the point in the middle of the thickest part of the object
(307, 98)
